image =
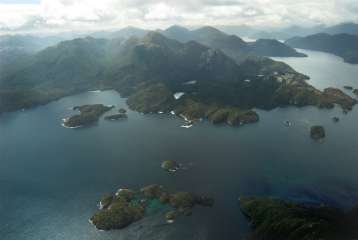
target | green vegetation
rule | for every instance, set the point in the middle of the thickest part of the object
(151, 99)
(170, 166)
(171, 216)
(118, 215)
(128, 206)
(89, 114)
(280, 220)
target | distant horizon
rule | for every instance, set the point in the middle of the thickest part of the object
(45, 33)
(56, 16)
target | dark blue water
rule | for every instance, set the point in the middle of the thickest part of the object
(51, 177)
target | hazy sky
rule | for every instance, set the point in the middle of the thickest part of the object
(58, 15)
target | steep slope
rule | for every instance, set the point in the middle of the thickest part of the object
(231, 45)
(343, 45)
(70, 67)
(273, 48)
(155, 58)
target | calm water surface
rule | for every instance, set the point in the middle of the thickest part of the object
(52, 177)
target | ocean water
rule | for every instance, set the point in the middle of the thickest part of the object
(51, 178)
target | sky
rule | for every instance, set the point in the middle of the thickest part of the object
(80, 15)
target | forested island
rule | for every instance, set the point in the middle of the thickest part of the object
(89, 114)
(127, 206)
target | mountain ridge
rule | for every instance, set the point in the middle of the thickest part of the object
(343, 45)
(231, 45)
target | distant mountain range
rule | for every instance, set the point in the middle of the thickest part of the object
(343, 45)
(289, 32)
(231, 45)
(16, 49)
(151, 69)
(27, 43)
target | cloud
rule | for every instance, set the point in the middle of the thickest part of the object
(56, 15)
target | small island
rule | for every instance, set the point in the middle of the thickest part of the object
(318, 132)
(355, 91)
(282, 220)
(128, 206)
(348, 88)
(116, 117)
(89, 114)
(335, 119)
(122, 111)
(170, 166)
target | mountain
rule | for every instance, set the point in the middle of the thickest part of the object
(128, 32)
(349, 28)
(343, 45)
(297, 31)
(67, 68)
(243, 30)
(270, 47)
(26, 43)
(151, 69)
(232, 45)
(16, 49)
(286, 33)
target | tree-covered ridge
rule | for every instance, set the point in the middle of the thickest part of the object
(343, 45)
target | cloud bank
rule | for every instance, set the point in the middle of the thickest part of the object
(60, 15)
